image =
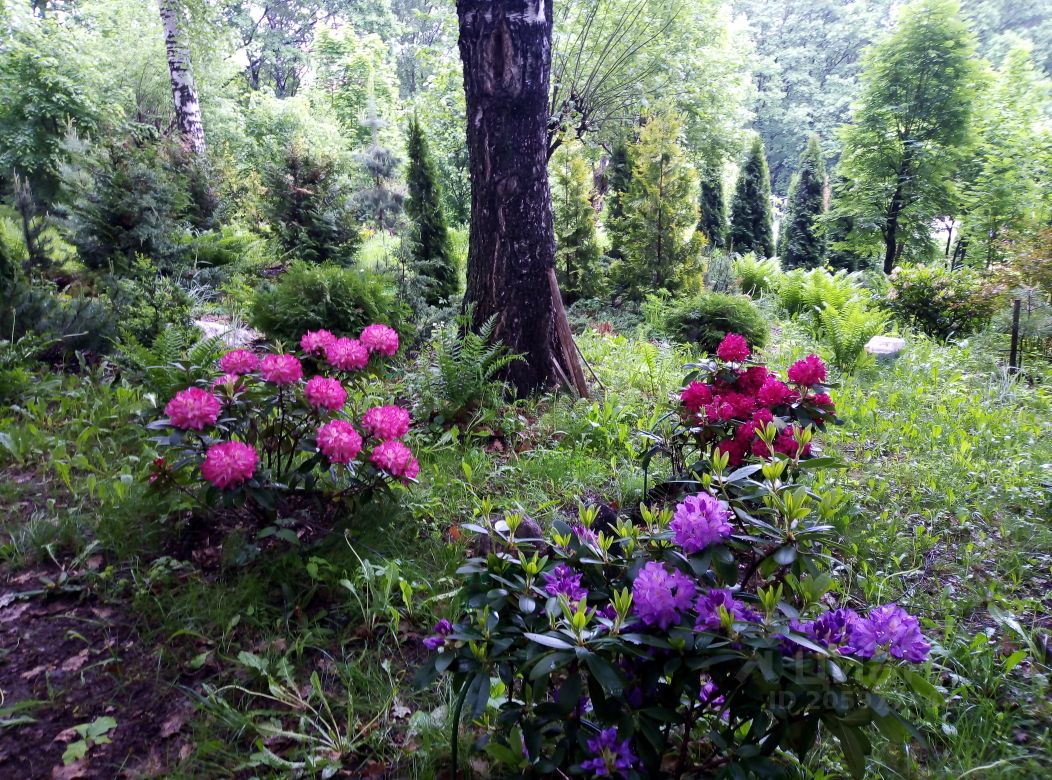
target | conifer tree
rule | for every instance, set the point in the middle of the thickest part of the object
(576, 244)
(432, 254)
(713, 208)
(801, 244)
(660, 210)
(618, 175)
(752, 227)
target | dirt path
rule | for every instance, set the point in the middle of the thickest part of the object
(68, 661)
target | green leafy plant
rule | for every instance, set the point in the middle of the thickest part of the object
(704, 319)
(173, 361)
(309, 297)
(847, 329)
(757, 276)
(940, 302)
(455, 374)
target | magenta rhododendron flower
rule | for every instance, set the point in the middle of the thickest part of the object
(229, 464)
(708, 609)
(396, 459)
(314, 342)
(659, 597)
(226, 379)
(564, 581)
(386, 422)
(322, 392)
(809, 371)
(338, 441)
(380, 338)
(240, 361)
(719, 410)
(347, 354)
(733, 348)
(193, 409)
(888, 628)
(695, 396)
(611, 757)
(751, 380)
(788, 444)
(823, 399)
(775, 393)
(442, 629)
(734, 449)
(700, 521)
(282, 369)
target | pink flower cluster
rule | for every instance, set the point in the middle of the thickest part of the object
(347, 354)
(282, 370)
(738, 403)
(322, 392)
(396, 459)
(339, 442)
(386, 422)
(193, 409)
(229, 464)
(238, 362)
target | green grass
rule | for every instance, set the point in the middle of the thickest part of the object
(949, 515)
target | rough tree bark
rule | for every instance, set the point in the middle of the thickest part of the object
(184, 93)
(506, 50)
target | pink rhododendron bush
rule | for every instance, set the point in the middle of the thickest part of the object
(277, 425)
(700, 636)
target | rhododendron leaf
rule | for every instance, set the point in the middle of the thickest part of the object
(742, 473)
(549, 663)
(605, 673)
(548, 641)
(853, 743)
(527, 604)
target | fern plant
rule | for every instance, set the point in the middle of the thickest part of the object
(455, 376)
(172, 363)
(846, 330)
(757, 276)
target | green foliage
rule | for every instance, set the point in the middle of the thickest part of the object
(659, 210)
(757, 277)
(309, 206)
(45, 87)
(455, 376)
(846, 329)
(940, 302)
(808, 292)
(18, 358)
(720, 275)
(752, 222)
(802, 244)
(310, 297)
(618, 177)
(705, 318)
(175, 360)
(909, 130)
(1007, 195)
(712, 208)
(432, 257)
(77, 322)
(577, 251)
(126, 197)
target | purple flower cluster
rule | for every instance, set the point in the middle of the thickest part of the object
(564, 581)
(659, 597)
(611, 757)
(889, 628)
(442, 629)
(700, 521)
(708, 609)
(709, 696)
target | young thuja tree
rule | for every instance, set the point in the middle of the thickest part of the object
(576, 243)
(752, 221)
(656, 231)
(698, 640)
(432, 254)
(802, 244)
(712, 208)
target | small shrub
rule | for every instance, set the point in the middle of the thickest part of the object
(17, 360)
(455, 373)
(940, 302)
(309, 205)
(847, 329)
(76, 322)
(309, 297)
(261, 429)
(720, 275)
(757, 276)
(704, 319)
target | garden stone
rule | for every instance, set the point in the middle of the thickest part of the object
(885, 347)
(233, 336)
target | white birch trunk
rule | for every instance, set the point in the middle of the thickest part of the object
(184, 93)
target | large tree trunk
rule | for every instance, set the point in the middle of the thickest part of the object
(184, 93)
(506, 50)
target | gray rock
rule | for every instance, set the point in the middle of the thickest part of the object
(885, 347)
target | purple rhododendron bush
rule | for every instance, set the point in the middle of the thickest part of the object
(279, 427)
(699, 637)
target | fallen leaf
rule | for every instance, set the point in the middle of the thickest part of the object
(399, 710)
(173, 725)
(66, 735)
(73, 663)
(10, 614)
(35, 672)
(71, 771)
